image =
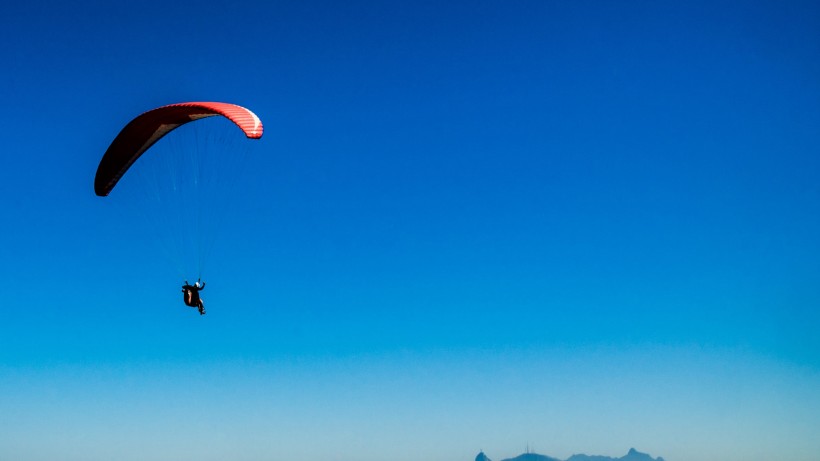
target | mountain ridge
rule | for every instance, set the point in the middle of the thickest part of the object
(632, 455)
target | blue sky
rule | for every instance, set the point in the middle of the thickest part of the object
(582, 226)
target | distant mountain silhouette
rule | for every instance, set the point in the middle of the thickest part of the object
(482, 457)
(633, 455)
(532, 457)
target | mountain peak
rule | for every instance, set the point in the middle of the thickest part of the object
(482, 457)
(635, 455)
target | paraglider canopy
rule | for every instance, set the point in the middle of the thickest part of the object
(148, 128)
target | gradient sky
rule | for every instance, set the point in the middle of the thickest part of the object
(582, 226)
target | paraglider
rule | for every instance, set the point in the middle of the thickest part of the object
(139, 136)
(191, 295)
